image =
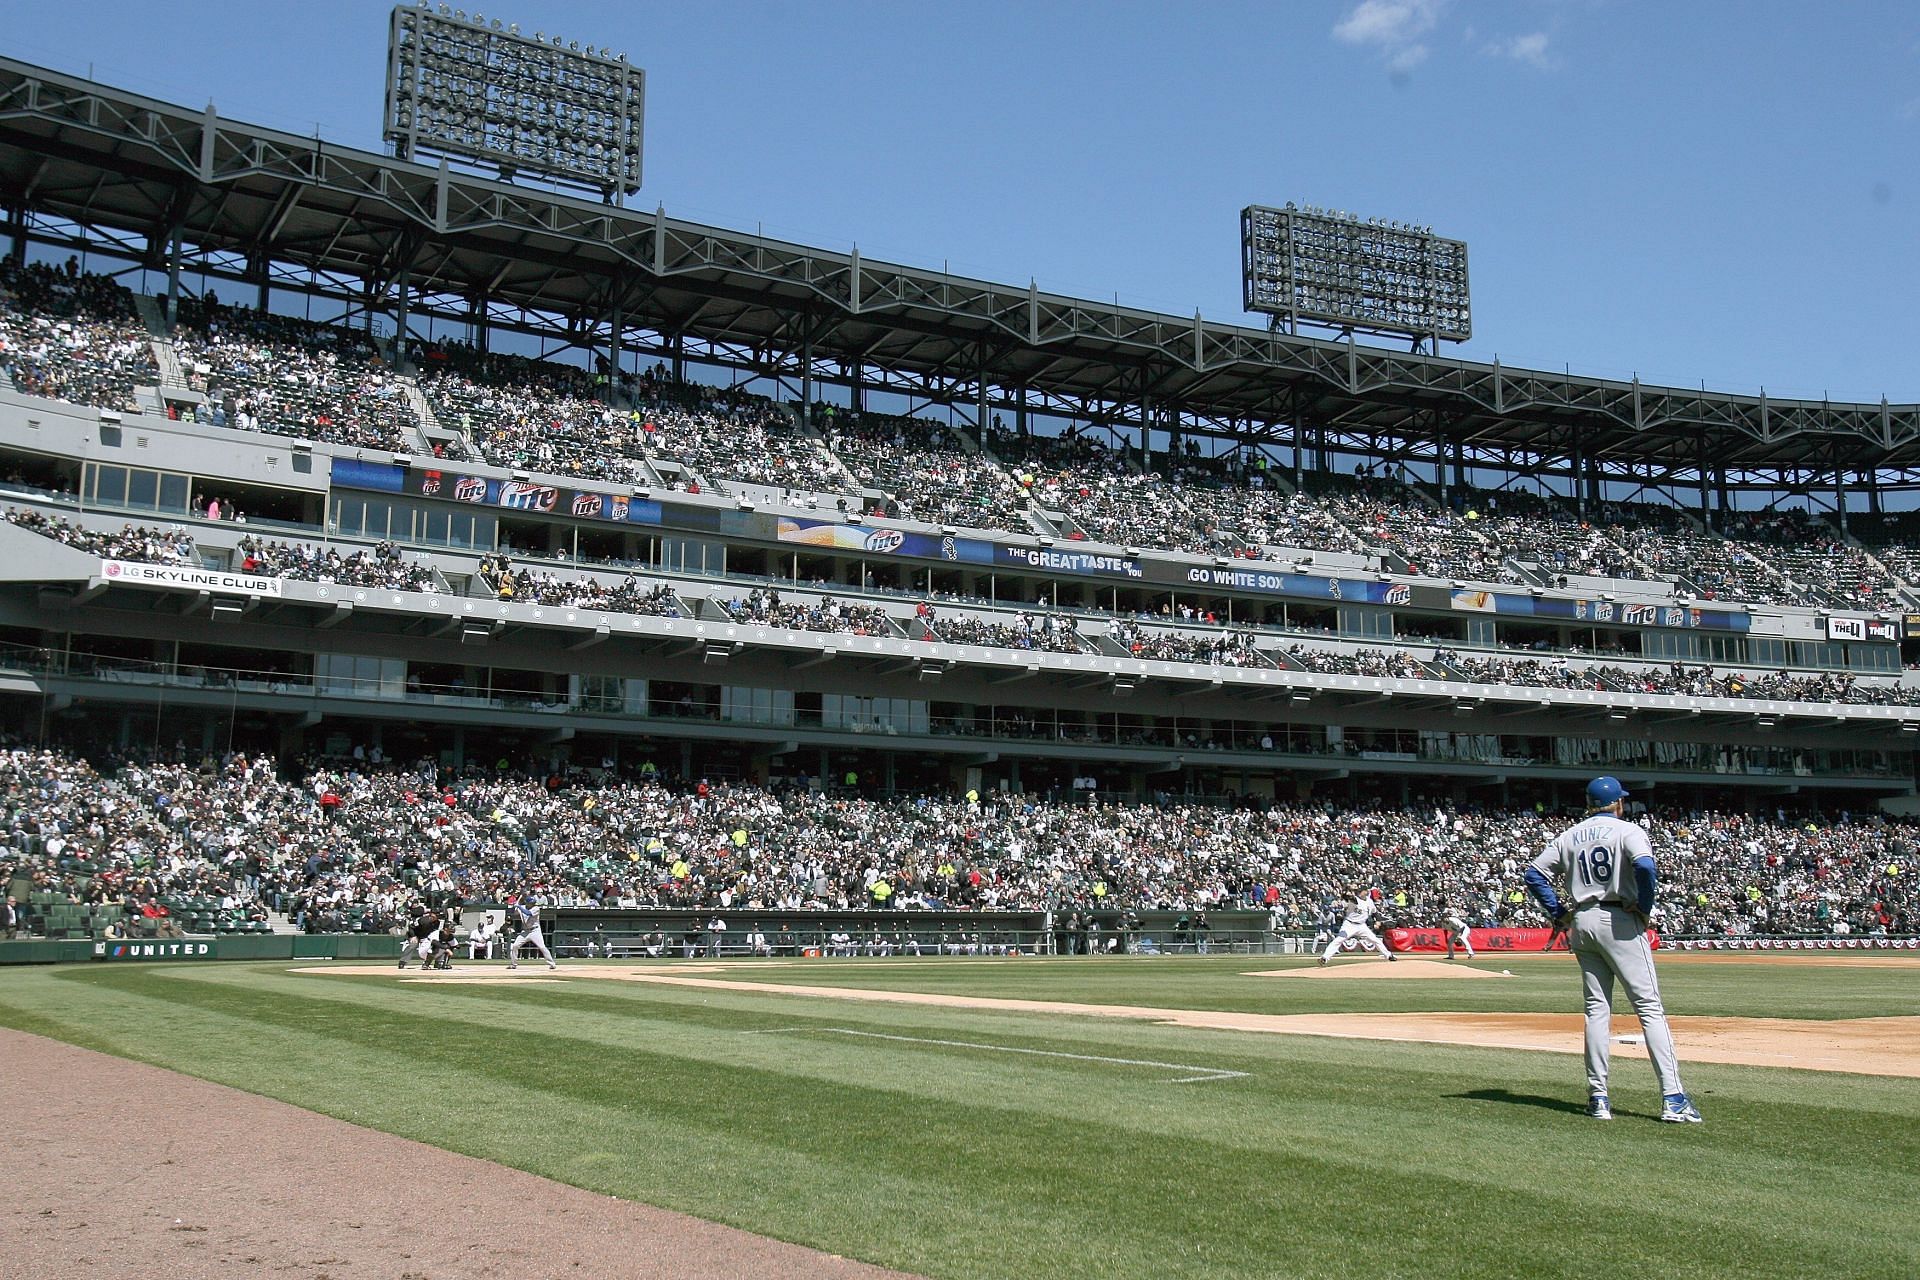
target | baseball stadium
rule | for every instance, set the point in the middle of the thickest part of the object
(541, 737)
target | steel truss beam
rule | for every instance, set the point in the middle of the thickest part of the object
(107, 160)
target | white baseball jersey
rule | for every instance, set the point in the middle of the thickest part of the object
(1594, 860)
(1359, 911)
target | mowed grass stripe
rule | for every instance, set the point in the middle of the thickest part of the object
(984, 1142)
(1800, 988)
(1047, 1085)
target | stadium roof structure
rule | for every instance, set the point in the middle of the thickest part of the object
(156, 174)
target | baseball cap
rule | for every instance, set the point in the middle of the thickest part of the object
(1604, 790)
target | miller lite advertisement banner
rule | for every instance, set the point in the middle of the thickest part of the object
(883, 541)
(1418, 941)
(1610, 611)
(530, 496)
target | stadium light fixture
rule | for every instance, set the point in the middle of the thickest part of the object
(467, 90)
(1331, 269)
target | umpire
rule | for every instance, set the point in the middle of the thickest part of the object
(1604, 866)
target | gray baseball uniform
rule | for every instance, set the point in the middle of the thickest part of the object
(1354, 925)
(1591, 863)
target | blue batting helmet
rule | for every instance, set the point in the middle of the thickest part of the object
(1603, 791)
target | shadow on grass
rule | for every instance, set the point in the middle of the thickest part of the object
(1512, 1099)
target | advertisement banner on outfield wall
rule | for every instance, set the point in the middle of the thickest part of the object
(153, 950)
(1605, 611)
(1420, 940)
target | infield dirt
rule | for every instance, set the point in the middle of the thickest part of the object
(252, 1187)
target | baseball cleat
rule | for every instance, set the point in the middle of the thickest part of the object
(1323, 962)
(1598, 1108)
(1393, 958)
(1680, 1110)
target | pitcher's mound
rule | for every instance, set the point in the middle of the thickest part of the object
(1407, 970)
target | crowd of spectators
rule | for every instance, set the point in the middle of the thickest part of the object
(722, 434)
(383, 566)
(922, 472)
(133, 543)
(291, 376)
(1679, 678)
(1049, 632)
(824, 613)
(534, 414)
(352, 840)
(77, 336)
(1228, 648)
(629, 595)
(386, 566)
(1824, 568)
(1393, 521)
(1387, 664)
(74, 336)
(1672, 546)
(1078, 475)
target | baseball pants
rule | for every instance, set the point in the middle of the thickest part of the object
(1462, 936)
(1609, 941)
(1360, 931)
(533, 937)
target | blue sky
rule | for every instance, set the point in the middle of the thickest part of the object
(1699, 191)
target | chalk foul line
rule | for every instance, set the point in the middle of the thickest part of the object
(1203, 1076)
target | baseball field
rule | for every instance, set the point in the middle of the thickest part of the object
(1150, 1116)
